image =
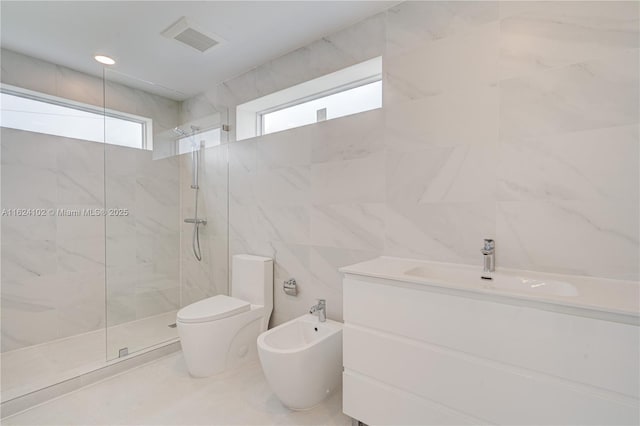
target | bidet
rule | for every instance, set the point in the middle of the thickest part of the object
(302, 360)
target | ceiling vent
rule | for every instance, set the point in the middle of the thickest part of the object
(185, 32)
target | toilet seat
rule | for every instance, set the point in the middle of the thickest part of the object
(213, 308)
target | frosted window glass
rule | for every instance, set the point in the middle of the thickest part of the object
(347, 102)
(53, 119)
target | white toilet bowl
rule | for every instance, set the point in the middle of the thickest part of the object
(302, 360)
(220, 332)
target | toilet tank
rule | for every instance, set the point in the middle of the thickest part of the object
(252, 279)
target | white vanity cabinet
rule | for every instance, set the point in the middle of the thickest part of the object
(421, 351)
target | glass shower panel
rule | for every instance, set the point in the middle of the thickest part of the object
(142, 198)
(205, 145)
(53, 235)
(148, 275)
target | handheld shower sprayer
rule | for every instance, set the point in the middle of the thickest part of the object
(195, 169)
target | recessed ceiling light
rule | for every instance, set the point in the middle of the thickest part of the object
(104, 60)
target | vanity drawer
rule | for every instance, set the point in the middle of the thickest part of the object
(373, 402)
(488, 390)
(594, 352)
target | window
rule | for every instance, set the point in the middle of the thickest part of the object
(346, 102)
(34, 112)
(349, 91)
(205, 139)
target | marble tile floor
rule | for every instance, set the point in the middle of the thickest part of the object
(35, 367)
(163, 393)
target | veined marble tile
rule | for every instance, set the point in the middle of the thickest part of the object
(355, 44)
(288, 223)
(120, 161)
(25, 187)
(541, 35)
(552, 236)
(77, 187)
(447, 232)
(25, 71)
(20, 147)
(595, 165)
(294, 261)
(449, 119)
(242, 168)
(463, 173)
(78, 86)
(291, 261)
(454, 64)
(82, 226)
(120, 293)
(596, 12)
(196, 278)
(208, 277)
(358, 42)
(164, 111)
(349, 226)
(32, 327)
(244, 220)
(155, 215)
(154, 302)
(119, 97)
(120, 191)
(325, 262)
(28, 247)
(587, 95)
(80, 156)
(286, 148)
(351, 181)
(282, 186)
(242, 156)
(202, 105)
(80, 302)
(121, 250)
(165, 168)
(348, 138)
(29, 313)
(214, 164)
(412, 23)
(80, 254)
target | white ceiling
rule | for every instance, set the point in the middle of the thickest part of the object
(70, 33)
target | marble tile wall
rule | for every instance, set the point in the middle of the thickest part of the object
(567, 176)
(519, 121)
(210, 276)
(53, 268)
(512, 120)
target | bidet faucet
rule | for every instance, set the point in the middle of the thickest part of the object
(488, 252)
(321, 309)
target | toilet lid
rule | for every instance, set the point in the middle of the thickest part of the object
(213, 308)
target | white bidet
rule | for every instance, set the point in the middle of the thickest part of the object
(302, 360)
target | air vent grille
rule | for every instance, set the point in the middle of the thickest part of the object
(186, 33)
(196, 39)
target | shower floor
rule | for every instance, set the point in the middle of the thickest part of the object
(35, 367)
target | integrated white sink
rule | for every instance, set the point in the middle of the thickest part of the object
(516, 282)
(589, 294)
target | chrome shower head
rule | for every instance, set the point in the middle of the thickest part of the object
(178, 131)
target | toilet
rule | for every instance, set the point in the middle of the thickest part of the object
(219, 333)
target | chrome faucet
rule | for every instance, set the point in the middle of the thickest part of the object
(488, 253)
(320, 309)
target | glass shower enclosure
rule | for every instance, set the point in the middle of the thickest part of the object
(97, 258)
